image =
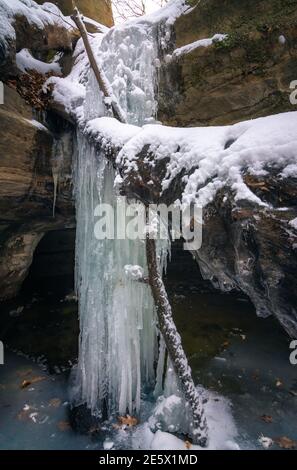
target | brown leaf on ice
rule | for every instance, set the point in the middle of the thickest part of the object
(285, 442)
(63, 425)
(23, 415)
(267, 418)
(27, 382)
(55, 402)
(188, 444)
(127, 421)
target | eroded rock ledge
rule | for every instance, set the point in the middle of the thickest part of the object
(249, 232)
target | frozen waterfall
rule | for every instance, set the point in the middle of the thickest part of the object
(118, 336)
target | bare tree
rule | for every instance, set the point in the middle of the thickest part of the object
(126, 9)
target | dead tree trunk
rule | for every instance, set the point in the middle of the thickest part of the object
(99, 74)
(173, 343)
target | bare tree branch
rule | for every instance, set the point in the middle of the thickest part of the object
(99, 74)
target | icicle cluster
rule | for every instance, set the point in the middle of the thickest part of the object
(118, 339)
(128, 56)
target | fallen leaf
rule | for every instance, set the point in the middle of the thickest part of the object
(27, 382)
(127, 420)
(188, 444)
(63, 425)
(243, 337)
(55, 402)
(267, 418)
(285, 442)
(278, 383)
(23, 415)
(226, 344)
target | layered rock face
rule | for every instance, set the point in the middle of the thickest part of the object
(28, 165)
(246, 75)
(98, 10)
(35, 146)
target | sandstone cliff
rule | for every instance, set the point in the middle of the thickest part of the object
(244, 76)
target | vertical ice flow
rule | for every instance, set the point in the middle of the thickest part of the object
(118, 336)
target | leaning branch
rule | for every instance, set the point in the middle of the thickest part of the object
(99, 74)
(174, 346)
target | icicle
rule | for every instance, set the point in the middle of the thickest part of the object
(119, 339)
(56, 180)
(57, 159)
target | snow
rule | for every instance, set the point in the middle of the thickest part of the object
(256, 145)
(112, 131)
(134, 272)
(293, 223)
(127, 54)
(108, 445)
(37, 15)
(168, 14)
(25, 61)
(37, 124)
(222, 429)
(266, 442)
(200, 43)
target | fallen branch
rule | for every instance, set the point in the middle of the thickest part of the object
(174, 347)
(99, 74)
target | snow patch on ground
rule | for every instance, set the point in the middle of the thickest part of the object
(222, 429)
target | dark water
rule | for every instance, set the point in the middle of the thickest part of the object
(244, 358)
